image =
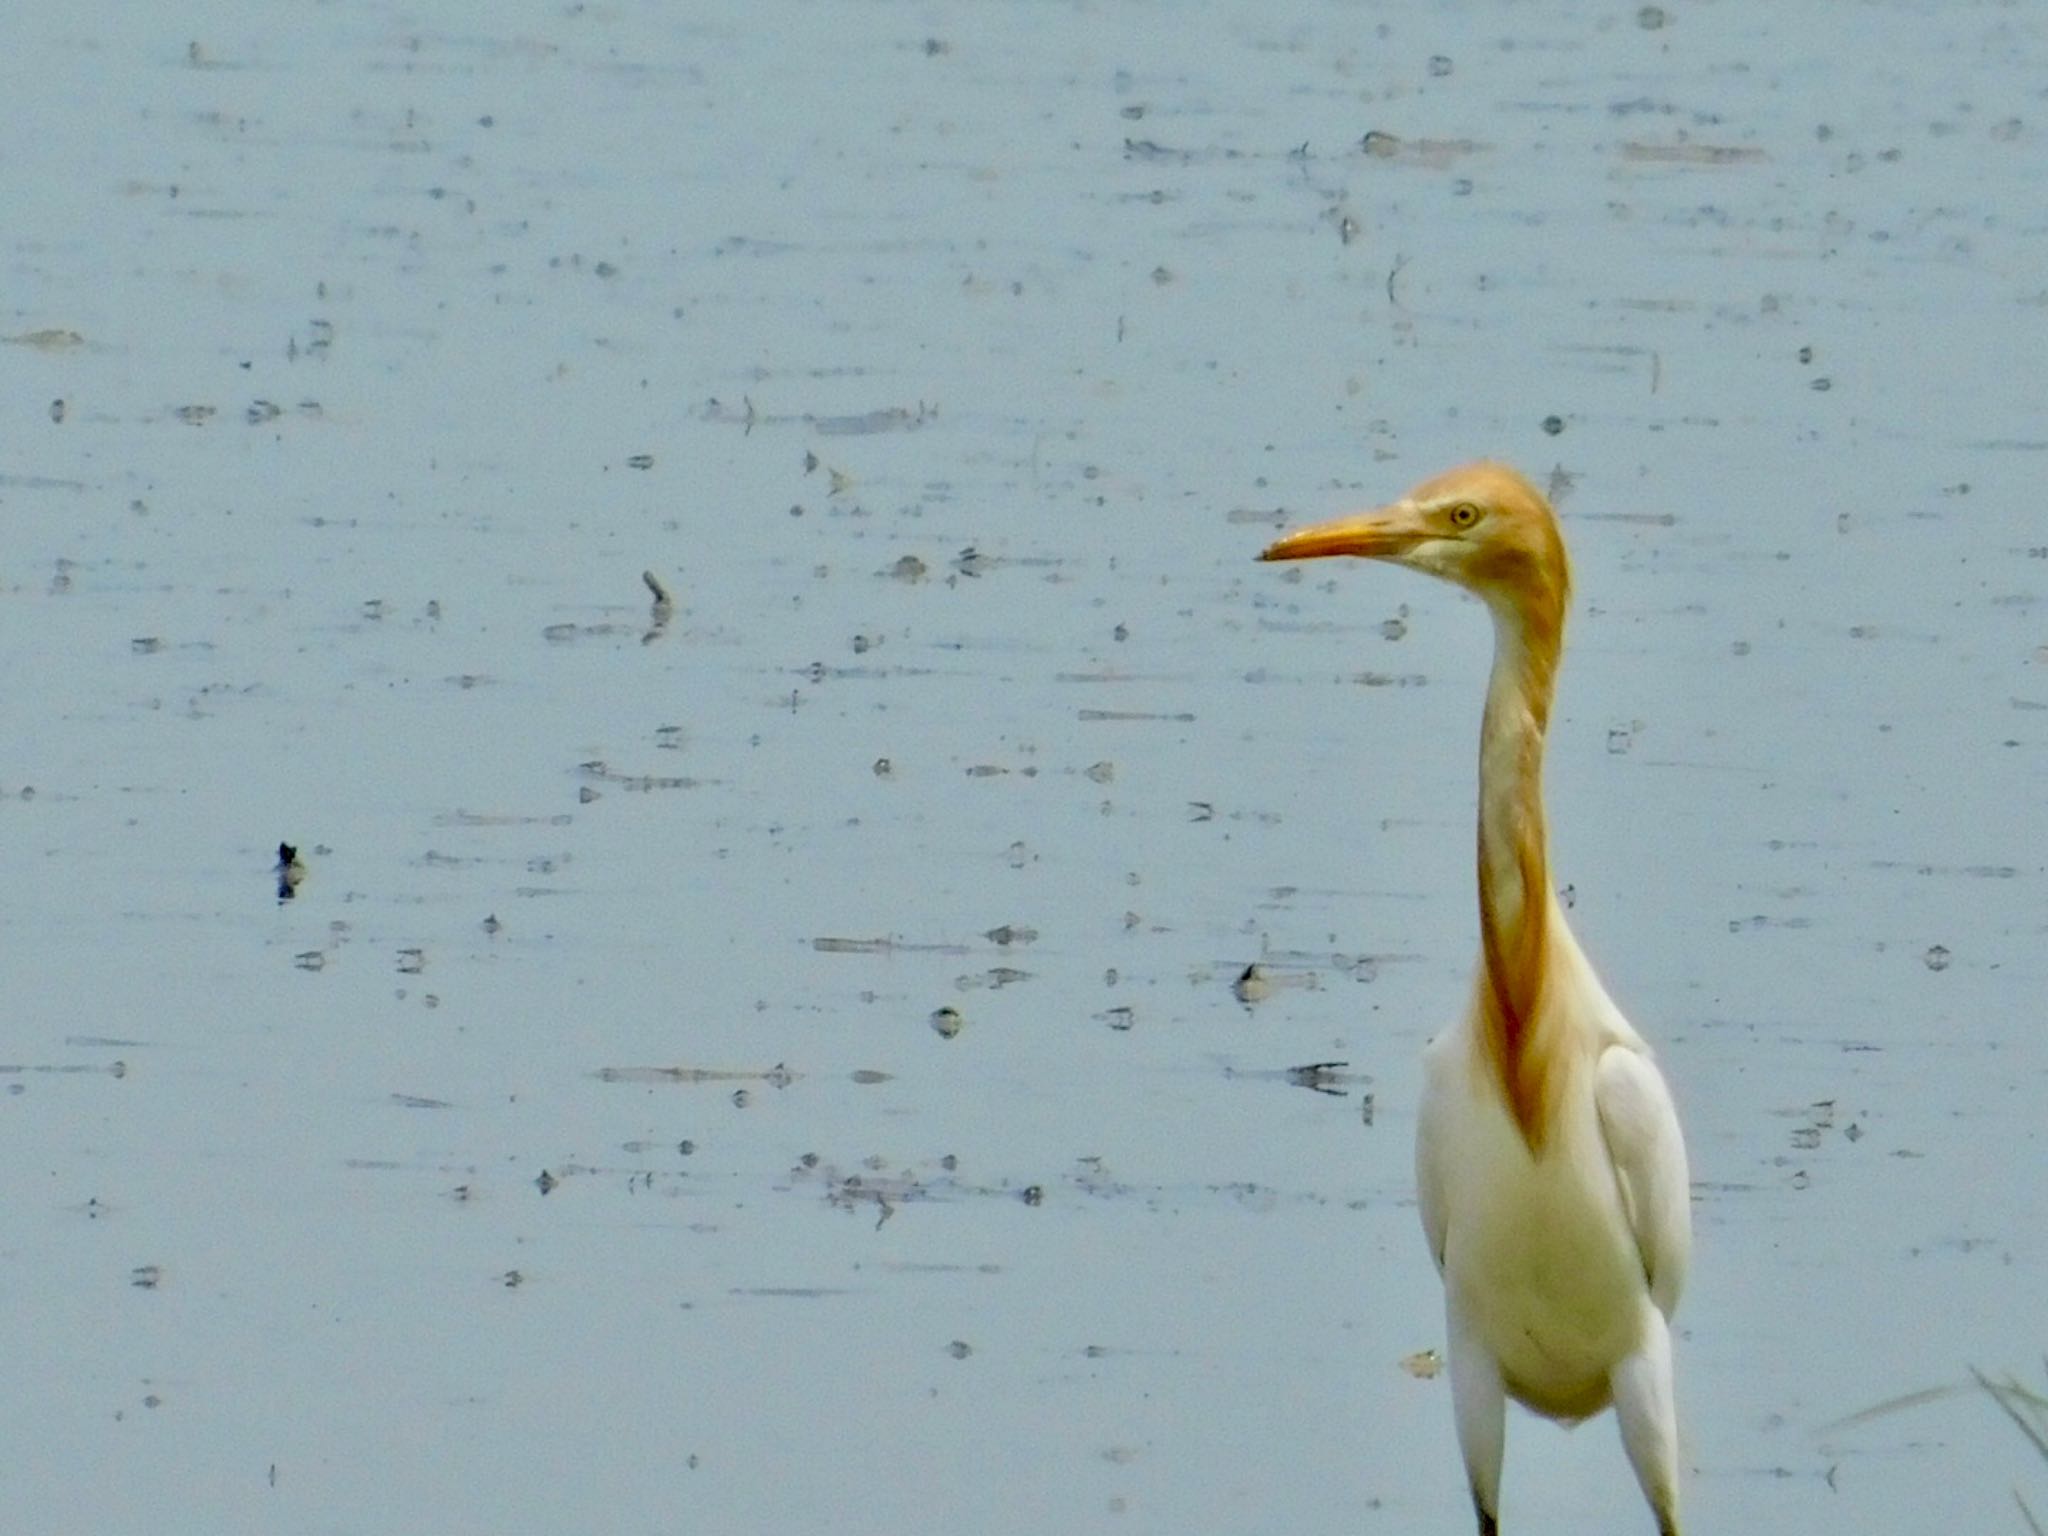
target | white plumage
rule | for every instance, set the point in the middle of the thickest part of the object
(1550, 1169)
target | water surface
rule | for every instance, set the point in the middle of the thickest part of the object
(577, 1151)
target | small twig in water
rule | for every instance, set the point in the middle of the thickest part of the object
(664, 608)
(2008, 1394)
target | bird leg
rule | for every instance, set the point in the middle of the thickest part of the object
(1479, 1403)
(1649, 1419)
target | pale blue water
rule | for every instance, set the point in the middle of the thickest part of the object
(360, 320)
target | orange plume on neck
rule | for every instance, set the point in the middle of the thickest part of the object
(1514, 958)
(1521, 1047)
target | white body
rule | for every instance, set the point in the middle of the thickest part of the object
(1562, 1268)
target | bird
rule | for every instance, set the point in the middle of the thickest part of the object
(1551, 1170)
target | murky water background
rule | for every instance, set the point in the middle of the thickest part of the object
(577, 1151)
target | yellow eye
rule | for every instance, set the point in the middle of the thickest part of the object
(1464, 515)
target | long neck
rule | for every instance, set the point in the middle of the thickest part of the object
(1514, 863)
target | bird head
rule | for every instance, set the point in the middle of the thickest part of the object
(1481, 525)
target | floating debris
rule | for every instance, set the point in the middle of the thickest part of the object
(485, 819)
(885, 946)
(1326, 1077)
(1687, 153)
(1423, 1365)
(1764, 920)
(777, 1076)
(852, 946)
(664, 608)
(995, 978)
(641, 783)
(290, 872)
(114, 1069)
(1152, 150)
(1391, 679)
(893, 418)
(567, 633)
(1430, 154)
(1319, 1077)
(1269, 517)
(52, 340)
(1010, 934)
(793, 1292)
(744, 415)
(889, 1189)
(947, 1022)
(1817, 1119)
(1252, 985)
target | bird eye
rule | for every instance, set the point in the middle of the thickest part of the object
(1464, 515)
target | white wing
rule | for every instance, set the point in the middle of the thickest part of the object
(1432, 1149)
(1640, 1125)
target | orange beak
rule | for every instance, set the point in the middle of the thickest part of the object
(1387, 534)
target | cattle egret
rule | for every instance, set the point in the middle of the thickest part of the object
(1550, 1169)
